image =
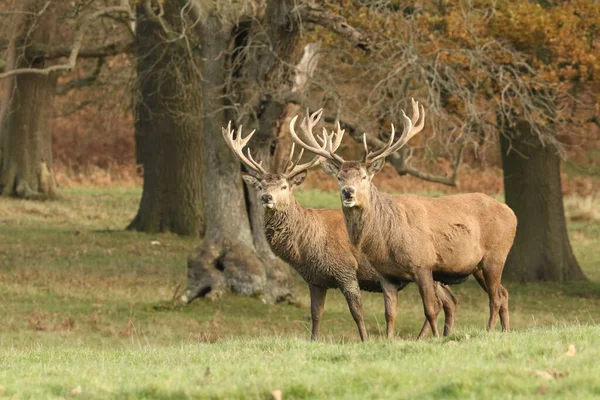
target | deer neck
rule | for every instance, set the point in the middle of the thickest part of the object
(283, 226)
(362, 222)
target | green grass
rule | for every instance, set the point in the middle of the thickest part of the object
(83, 303)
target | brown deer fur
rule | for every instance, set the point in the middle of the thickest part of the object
(421, 239)
(315, 243)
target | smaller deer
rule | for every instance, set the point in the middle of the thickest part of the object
(420, 239)
(314, 242)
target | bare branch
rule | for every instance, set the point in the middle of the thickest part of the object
(81, 82)
(82, 25)
(319, 15)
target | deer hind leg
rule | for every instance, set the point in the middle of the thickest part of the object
(428, 295)
(504, 317)
(449, 302)
(498, 296)
(478, 274)
(445, 301)
(317, 303)
(351, 292)
(390, 301)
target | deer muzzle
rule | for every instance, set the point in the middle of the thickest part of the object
(267, 200)
(348, 196)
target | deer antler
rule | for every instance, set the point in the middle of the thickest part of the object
(237, 145)
(411, 128)
(328, 146)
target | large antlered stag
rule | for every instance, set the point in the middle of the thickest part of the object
(314, 242)
(410, 238)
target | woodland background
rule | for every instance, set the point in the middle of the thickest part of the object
(114, 178)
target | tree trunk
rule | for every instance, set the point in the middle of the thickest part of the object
(168, 130)
(542, 251)
(228, 259)
(25, 143)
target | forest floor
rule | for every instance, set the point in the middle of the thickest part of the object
(88, 310)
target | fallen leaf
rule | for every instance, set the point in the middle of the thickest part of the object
(551, 374)
(542, 390)
(571, 351)
(277, 395)
(155, 243)
(545, 375)
(1, 390)
(451, 342)
(467, 336)
(76, 390)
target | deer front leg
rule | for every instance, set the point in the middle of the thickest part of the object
(317, 303)
(424, 280)
(351, 292)
(390, 300)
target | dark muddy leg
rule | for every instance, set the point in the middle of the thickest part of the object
(317, 303)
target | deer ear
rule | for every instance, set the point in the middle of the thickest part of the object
(375, 166)
(250, 180)
(297, 179)
(330, 168)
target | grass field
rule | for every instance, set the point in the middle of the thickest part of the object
(88, 311)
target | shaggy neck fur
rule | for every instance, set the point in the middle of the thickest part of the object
(289, 228)
(369, 220)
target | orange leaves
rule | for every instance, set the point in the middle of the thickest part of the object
(565, 38)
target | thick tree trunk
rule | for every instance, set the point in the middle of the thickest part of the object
(168, 131)
(25, 142)
(542, 251)
(228, 258)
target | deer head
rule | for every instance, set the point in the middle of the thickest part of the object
(354, 177)
(275, 189)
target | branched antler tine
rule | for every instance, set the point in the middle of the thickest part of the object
(388, 148)
(312, 146)
(316, 117)
(236, 143)
(418, 128)
(387, 145)
(338, 136)
(308, 123)
(330, 147)
(409, 131)
(295, 162)
(257, 165)
(288, 163)
(415, 111)
(295, 168)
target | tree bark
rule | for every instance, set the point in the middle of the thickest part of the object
(542, 250)
(168, 129)
(235, 255)
(25, 143)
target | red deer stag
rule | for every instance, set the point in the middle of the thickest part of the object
(420, 239)
(314, 242)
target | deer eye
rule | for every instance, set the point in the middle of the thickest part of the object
(364, 177)
(284, 187)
